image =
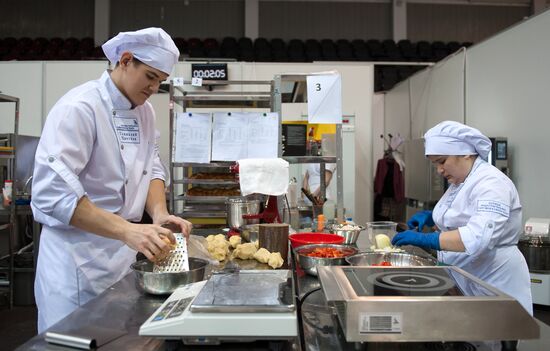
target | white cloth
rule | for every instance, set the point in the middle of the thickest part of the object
(263, 176)
(487, 213)
(453, 139)
(94, 145)
(152, 46)
(314, 180)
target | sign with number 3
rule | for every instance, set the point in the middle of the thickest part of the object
(324, 98)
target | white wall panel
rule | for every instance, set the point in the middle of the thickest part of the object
(24, 81)
(62, 76)
(398, 113)
(508, 91)
(437, 94)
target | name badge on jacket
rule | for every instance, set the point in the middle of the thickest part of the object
(127, 129)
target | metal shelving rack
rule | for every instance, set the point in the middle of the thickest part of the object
(322, 160)
(11, 226)
(186, 96)
(205, 98)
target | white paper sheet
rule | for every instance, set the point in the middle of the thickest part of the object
(324, 99)
(229, 133)
(263, 138)
(193, 137)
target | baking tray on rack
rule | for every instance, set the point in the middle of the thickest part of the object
(207, 181)
(203, 199)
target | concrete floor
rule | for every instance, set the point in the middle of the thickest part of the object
(19, 324)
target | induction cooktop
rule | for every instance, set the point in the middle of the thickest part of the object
(409, 281)
(425, 303)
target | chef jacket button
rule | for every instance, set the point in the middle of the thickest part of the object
(144, 172)
(126, 182)
(490, 226)
(122, 147)
(51, 159)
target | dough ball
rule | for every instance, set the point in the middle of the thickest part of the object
(245, 251)
(218, 253)
(275, 260)
(235, 240)
(262, 255)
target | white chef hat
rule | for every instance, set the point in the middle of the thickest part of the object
(152, 46)
(453, 139)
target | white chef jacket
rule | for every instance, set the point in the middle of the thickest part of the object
(314, 179)
(486, 210)
(93, 144)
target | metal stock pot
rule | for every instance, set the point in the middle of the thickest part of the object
(537, 254)
(236, 207)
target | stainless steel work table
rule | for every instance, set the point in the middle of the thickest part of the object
(123, 308)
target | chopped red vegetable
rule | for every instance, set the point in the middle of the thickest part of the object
(327, 252)
(383, 263)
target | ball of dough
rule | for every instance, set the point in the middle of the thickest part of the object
(275, 260)
(245, 251)
(235, 240)
(262, 255)
(218, 253)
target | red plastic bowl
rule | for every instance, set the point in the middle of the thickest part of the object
(300, 239)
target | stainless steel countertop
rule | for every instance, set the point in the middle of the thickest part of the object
(122, 307)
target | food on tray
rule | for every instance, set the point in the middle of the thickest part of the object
(275, 260)
(383, 263)
(245, 251)
(215, 176)
(262, 255)
(201, 191)
(327, 252)
(382, 241)
(235, 240)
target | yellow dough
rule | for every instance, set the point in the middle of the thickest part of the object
(245, 251)
(262, 255)
(235, 240)
(218, 253)
(275, 260)
(217, 246)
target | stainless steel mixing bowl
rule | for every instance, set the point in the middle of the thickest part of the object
(350, 235)
(309, 264)
(167, 282)
(396, 259)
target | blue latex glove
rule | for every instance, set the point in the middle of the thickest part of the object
(421, 219)
(411, 237)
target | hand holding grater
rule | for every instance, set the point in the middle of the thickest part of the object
(177, 260)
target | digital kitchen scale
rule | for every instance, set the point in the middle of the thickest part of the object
(236, 306)
(442, 303)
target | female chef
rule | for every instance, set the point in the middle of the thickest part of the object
(478, 218)
(97, 168)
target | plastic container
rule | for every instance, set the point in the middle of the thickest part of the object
(376, 228)
(299, 239)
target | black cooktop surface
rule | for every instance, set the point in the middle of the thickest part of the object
(410, 281)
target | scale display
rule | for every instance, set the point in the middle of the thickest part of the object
(436, 281)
